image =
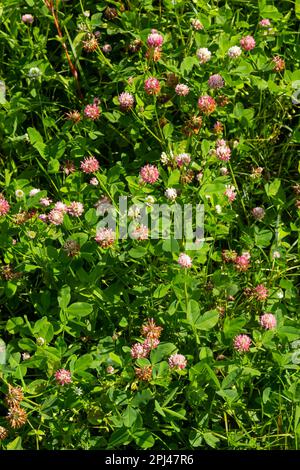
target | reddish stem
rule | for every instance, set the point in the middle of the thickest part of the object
(50, 6)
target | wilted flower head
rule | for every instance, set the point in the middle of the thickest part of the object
(215, 81)
(91, 43)
(110, 13)
(229, 256)
(197, 25)
(268, 321)
(242, 343)
(90, 165)
(260, 292)
(144, 373)
(149, 174)
(256, 172)
(258, 213)
(181, 89)
(151, 330)
(218, 127)
(171, 194)
(110, 369)
(14, 396)
(206, 104)
(73, 116)
(152, 86)
(184, 261)
(3, 433)
(155, 39)
(105, 237)
(75, 209)
(193, 125)
(177, 361)
(203, 55)
(63, 376)
(16, 417)
(126, 101)
(69, 167)
(4, 206)
(71, 247)
(242, 263)
(247, 43)
(135, 45)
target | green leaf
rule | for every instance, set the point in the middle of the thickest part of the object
(195, 438)
(144, 439)
(79, 309)
(187, 65)
(161, 291)
(211, 439)
(16, 444)
(233, 326)
(297, 8)
(273, 188)
(170, 245)
(262, 237)
(83, 362)
(159, 409)
(44, 328)
(290, 332)
(137, 252)
(174, 178)
(162, 350)
(53, 166)
(129, 416)
(37, 141)
(64, 297)
(208, 320)
(115, 358)
(119, 437)
(2, 352)
(168, 130)
(175, 414)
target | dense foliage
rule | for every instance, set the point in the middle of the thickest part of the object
(168, 102)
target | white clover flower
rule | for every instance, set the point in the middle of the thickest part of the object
(33, 192)
(134, 212)
(171, 194)
(34, 73)
(19, 193)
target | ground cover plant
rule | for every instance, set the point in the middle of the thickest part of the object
(111, 342)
